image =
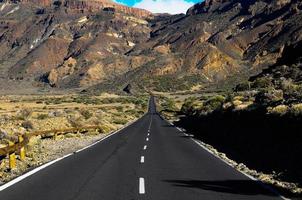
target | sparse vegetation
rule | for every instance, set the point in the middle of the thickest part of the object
(85, 113)
(120, 121)
(42, 116)
(296, 110)
(27, 125)
(25, 114)
(253, 122)
(279, 110)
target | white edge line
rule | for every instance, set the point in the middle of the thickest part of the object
(245, 174)
(142, 186)
(24, 176)
(20, 178)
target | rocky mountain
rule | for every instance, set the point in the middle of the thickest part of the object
(100, 45)
(222, 42)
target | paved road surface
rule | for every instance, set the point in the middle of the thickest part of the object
(149, 160)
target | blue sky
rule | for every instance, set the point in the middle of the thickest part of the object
(161, 6)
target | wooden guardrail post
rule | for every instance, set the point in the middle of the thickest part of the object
(55, 136)
(22, 149)
(12, 157)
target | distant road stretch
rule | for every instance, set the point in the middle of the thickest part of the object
(148, 160)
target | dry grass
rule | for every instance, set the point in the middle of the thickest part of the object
(20, 114)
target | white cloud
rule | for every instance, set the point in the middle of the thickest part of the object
(165, 6)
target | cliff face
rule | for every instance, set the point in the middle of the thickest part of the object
(100, 45)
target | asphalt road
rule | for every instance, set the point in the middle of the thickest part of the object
(149, 160)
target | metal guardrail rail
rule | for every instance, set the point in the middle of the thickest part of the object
(23, 140)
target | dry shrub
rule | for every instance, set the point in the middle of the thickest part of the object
(85, 113)
(3, 135)
(94, 121)
(279, 110)
(75, 122)
(24, 113)
(56, 113)
(27, 125)
(296, 109)
(42, 116)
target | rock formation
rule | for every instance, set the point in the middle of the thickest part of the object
(101, 45)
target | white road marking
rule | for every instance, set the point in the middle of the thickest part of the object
(24, 176)
(142, 159)
(148, 134)
(147, 139)
(245, 174)
(142, 186)
(20, 178)
(179, 129)
(145, 147)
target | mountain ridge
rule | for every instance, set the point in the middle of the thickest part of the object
(215, 43)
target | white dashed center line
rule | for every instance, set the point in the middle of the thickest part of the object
(147, 139)
(142, 159)
(141, 186)
(145, 147)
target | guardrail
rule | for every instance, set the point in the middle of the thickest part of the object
(18, 147)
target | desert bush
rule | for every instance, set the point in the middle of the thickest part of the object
(56, 113)
(279, 110)
(169, 104)
(55, 101)
(237, 102)
(292, 91)
(120, 109)
(239, 98)
(243, 86)
(296, 109)
(268, 97)
(3, 134)
(94, 121)
(75, 121)
(120, 121)
(130, 112)
(27, 125)
(187, 107)
(24, 114)
(4, 118)
(42, 116)
(108, 101)
(214, 103)
(85, 113)
(106, 128)
(287, 84)
(263, 82)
